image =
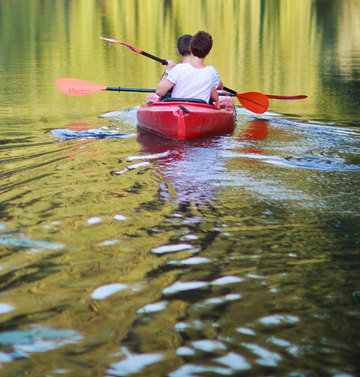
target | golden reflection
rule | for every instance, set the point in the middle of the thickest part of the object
(271, 47)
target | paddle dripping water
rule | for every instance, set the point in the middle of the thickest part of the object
(123, 253)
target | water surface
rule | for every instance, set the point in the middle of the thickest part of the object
(124, 253)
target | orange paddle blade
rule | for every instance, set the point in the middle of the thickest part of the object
(254, 101)
(121, 43)
(76, 87)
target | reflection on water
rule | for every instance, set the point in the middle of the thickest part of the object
(99, 133)
(279, 47)
(221, 255)
(123, 253)
(36, 339)
(256, 129)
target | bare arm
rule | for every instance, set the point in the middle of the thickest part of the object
(214, 95)
(165, 85)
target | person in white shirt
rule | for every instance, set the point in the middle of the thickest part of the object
(183, 45)
(192, 79)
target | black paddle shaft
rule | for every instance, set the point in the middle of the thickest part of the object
(162, 61)
(119, 89)
(145, 90)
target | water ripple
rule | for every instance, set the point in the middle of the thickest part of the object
(20, 240)
(36, 339)
(97, 133)
(105, 291)
(267, 358)
(234, 361)
(133, 363)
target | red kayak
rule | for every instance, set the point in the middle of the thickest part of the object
(186, 118)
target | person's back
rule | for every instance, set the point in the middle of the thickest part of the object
(193, 82)
(194, 79)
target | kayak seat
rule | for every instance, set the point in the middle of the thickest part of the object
(193, 100)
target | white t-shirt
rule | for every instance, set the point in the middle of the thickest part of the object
(191, 82)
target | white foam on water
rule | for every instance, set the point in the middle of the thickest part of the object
(138, 165)
(132, 167)
(102, 132)
(147, 157)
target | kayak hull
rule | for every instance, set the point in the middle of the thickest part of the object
(181, 119)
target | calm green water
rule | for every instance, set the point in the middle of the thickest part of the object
(230, 255)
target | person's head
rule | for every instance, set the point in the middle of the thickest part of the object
(201, 44)
(183, 44)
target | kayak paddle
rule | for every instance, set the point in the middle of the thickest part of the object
(77, 88)
(164, 62)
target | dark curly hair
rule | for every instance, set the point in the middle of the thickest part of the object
(201, 44)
